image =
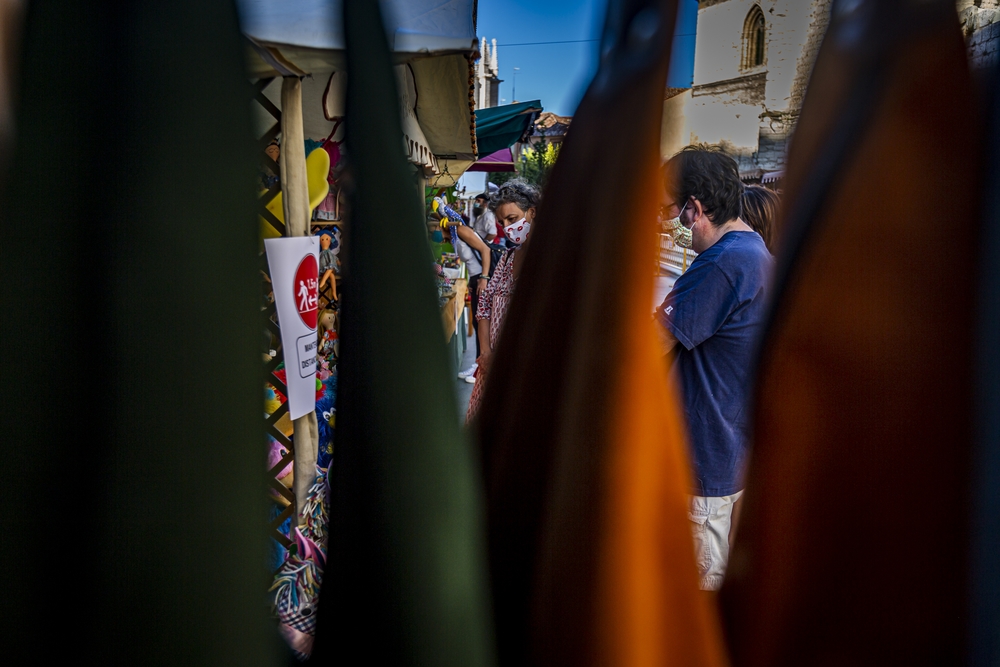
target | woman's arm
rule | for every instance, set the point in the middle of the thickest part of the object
(483, 331)
(476, 243)
(484, 317)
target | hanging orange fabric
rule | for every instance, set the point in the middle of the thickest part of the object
(853, 541)
(591, 555)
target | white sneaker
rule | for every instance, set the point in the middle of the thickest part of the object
(468, 371)
(471, 379)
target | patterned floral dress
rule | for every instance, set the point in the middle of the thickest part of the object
(493, 302)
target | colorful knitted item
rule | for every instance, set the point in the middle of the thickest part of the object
(297, 583)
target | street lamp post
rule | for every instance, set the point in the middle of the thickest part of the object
(513, 92)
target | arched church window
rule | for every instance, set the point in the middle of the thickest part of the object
(754, 39)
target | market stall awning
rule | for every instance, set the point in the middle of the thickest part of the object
(501, 161)
(414, 26)
(431, 41)
(503, 126)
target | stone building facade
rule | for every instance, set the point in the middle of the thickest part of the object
(753, 60)
(487, 93)
(981, 25)
(550, 128)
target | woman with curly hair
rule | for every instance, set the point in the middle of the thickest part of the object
(515, 205)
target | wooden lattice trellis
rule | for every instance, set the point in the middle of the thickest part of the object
(270, 323)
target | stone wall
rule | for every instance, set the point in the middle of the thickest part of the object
(792, 25)
(729, 101)
(725, 113)
(982, 29)
(819, 20)
(772, 148)
(749, 89)
(719, 42)
(673, 122)
(983, 4)
(750, 112)
(730, 107)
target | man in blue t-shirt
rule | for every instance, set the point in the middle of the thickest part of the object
(711, 322)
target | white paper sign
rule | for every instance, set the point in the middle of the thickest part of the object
(294, 265)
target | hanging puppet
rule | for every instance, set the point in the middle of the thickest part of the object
(269, 175)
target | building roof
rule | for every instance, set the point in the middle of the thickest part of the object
(549, 124)
(673, 92)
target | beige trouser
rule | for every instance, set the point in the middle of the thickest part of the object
(711, 519)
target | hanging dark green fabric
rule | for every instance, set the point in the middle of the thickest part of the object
(133, 501)
(502, 127)
(406, 581)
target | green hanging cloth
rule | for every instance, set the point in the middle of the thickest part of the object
(406, 580)
(131, 343)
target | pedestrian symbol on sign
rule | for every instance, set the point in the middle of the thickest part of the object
(303, 297)
(306, 288)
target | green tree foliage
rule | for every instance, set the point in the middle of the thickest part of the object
(534, 166)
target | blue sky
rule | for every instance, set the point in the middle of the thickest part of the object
(558, 74)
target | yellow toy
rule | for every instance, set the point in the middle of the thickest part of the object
(317, 170)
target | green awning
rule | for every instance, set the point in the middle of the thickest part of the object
(502, 127)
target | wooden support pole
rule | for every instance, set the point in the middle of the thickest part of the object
(295, 200)
(293, 159)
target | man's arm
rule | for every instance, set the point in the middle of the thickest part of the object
(491, 226)
(700, 303)
(665, 336)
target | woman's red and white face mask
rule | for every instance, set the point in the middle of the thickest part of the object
(517, 232)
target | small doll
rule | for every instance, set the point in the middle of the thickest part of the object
(329, 344)
(268, 177)
(329, 245)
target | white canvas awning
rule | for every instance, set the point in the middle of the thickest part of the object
(414, 26)
(431, 39)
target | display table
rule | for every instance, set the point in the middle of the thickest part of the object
(453, 309)
(453, 318)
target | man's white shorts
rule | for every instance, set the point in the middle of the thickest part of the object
(710, 522)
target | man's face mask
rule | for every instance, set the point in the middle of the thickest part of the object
(680, 233)
(680, 213)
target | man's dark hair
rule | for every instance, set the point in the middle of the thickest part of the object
(710, 176)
